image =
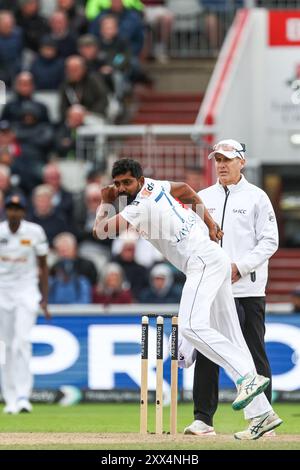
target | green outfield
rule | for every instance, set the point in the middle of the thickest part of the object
(115, 426)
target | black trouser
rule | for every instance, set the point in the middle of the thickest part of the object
(251, 312)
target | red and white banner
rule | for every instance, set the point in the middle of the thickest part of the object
(284, 28)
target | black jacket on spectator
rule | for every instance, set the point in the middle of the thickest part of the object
(48, 74)
(150, 296)
(135, 274)
(63, 203)
(90, 92)
(66, 45)
(10, 55)
(35, 140)
(83, 267)
(53, 224)
(77, 20)
(34, 28)
(13, 111)
(115, 53)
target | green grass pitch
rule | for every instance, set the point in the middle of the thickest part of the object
(116, 426)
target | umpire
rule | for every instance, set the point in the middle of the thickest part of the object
(247, 219)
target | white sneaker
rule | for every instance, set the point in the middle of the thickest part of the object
(24, 406)
(10, 410)
(259, 426)
(248, 388)
(198, 428)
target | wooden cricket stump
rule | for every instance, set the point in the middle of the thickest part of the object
(159, 375)
(144, 376)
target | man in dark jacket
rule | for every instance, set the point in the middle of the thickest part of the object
(33, 25)
(24, 87)
(47, 68)
(83, 88)
(11, 45)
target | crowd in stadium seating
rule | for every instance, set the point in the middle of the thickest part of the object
(88, 52)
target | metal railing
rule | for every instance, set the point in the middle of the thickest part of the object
(164, 151)
(293, 4)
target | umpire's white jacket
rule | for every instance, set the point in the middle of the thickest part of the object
(245, 214)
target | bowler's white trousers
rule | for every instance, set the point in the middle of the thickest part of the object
(18, 310)
(209, 321)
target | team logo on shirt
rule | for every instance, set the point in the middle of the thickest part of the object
(3, 241)
(145, 193)
(150, 186)
(25, 242)
(240, 211)
(135, 203)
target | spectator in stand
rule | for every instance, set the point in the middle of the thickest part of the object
(24, 87)
(112, 290)
(145, 254)
(115, 53)
(59, 31)
(88, 48)
(75, 14)
(11, 46)
(48, 68)
(85, 212)
(160, 20)
(86, 215)
(65, 246)
(43, 212)
(36, 139)
(136, 274)
(95, 7)
(218, 15)
(8, 142)
(162, 289)
(62, 200)
(296, 300)
(66, 133)
(83, 88)
(131, 27)
(68, 287)
(34, 26)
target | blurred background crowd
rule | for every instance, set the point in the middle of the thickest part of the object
(90, 55)
(67, 64)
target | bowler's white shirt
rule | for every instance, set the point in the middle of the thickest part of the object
(174, 230)
(18, 254)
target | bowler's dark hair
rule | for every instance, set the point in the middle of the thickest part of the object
(124, 165)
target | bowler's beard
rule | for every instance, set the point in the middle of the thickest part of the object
(125, 199)
(130, 198)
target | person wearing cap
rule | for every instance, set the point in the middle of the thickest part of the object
(23, 290)
(246, 216)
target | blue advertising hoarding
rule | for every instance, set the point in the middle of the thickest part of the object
(102, 352)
